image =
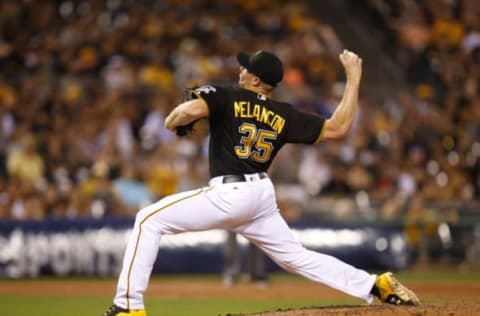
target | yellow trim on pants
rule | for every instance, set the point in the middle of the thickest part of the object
(140, 233)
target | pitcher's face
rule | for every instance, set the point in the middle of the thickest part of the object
(245, 78)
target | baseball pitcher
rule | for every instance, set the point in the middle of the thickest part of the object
(247, 129)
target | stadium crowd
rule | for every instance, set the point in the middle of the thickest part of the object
(85, 86)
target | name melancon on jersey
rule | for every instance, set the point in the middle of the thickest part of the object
(245, 109)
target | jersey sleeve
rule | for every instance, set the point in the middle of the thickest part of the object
(213, 96)
(304, 127)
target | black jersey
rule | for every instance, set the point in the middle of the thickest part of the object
(247, 129)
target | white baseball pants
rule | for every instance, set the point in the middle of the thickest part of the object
(248, 208)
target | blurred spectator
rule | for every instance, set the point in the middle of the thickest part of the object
(153, 132)
(314, 172)
(131, 189)
(119, 75)
(100, 192)
(85, 87)
(162, 178)
(421, 228)
(25, 162)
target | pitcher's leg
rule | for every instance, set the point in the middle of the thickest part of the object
(138, 260)
(186, 211)
(274, 237)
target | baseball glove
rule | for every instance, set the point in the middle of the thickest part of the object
(185, 130)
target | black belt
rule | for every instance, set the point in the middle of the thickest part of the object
(241, 177)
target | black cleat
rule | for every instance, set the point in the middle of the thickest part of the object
(115, 310)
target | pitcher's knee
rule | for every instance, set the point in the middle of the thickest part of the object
(145, 213)
(146, 219)
(141, 215)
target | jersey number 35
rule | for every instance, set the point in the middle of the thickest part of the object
(255, 143)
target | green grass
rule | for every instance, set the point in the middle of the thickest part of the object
(420, 275)
(82, 306)
(47, 305)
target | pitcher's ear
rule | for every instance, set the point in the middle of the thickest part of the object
(256, 82)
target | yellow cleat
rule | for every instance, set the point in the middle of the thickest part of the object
(391, 291)
(115, 310)
(133, 312)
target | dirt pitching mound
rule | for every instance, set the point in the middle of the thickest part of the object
(450, 309)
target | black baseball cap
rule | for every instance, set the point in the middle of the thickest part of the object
(265, 65)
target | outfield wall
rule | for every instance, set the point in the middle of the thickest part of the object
(93, 247)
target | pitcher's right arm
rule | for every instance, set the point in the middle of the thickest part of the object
(339, 124)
